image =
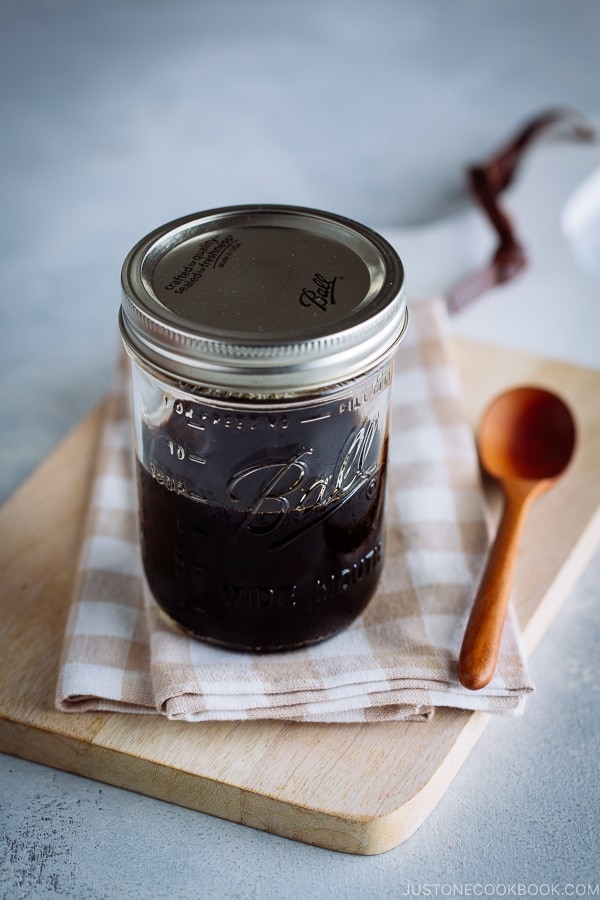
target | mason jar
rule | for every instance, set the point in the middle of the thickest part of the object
(261, 341)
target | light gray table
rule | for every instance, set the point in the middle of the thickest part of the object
(119, 116)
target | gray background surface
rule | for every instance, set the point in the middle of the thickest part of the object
(118, 116)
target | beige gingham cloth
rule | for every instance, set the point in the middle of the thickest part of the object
(398, 661)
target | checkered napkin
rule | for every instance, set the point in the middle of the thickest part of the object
(396, 662)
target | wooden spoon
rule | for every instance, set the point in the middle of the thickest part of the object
(526, 440)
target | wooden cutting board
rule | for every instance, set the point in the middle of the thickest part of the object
(356, 788)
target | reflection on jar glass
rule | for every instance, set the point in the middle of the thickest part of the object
(262, 343)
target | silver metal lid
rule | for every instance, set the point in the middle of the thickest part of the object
(267, 298)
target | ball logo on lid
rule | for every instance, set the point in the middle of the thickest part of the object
(322, 294)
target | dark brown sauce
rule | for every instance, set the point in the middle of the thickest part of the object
(289, 569)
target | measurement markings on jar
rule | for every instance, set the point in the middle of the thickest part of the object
(197, 459)
(201, 498)
(315, 419)
(198, 427)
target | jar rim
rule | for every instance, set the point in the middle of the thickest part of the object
(219, 298)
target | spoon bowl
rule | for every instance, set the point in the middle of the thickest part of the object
(527, 432)
(526, 441)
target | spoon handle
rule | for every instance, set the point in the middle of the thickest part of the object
(481, 642)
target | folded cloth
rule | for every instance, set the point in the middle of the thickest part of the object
(398, 661)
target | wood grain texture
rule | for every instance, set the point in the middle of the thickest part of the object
(356, 788)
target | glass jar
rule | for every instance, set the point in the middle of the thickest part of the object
(262, 342)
